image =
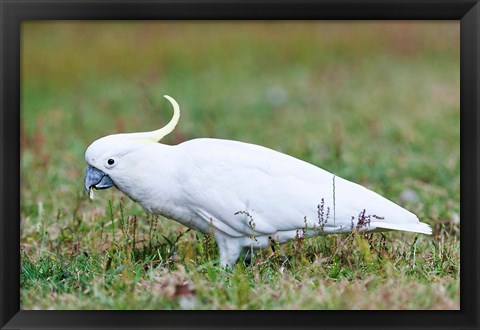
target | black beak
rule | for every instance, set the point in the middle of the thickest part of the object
(94, 178)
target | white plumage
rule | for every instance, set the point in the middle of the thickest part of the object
(244, 193)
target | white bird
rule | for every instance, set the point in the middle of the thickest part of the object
(245, 194)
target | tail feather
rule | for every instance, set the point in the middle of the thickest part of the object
(418, 227)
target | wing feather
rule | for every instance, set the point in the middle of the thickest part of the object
(239, 183)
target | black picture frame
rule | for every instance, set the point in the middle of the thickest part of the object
(13, 12)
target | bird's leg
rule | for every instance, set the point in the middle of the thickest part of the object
(229, 248)
(246, 256)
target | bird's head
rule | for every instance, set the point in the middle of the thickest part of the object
(108, 157)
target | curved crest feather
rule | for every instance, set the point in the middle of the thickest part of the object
(157, 135)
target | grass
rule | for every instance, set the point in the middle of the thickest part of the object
(375, 103)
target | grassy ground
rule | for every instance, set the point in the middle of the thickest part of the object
(377, 104)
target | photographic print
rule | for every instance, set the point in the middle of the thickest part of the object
(247, 165)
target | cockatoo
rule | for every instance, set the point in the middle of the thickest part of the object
(246, 194)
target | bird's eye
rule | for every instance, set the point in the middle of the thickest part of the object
(111, 162)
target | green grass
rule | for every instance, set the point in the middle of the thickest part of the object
(375, 103)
